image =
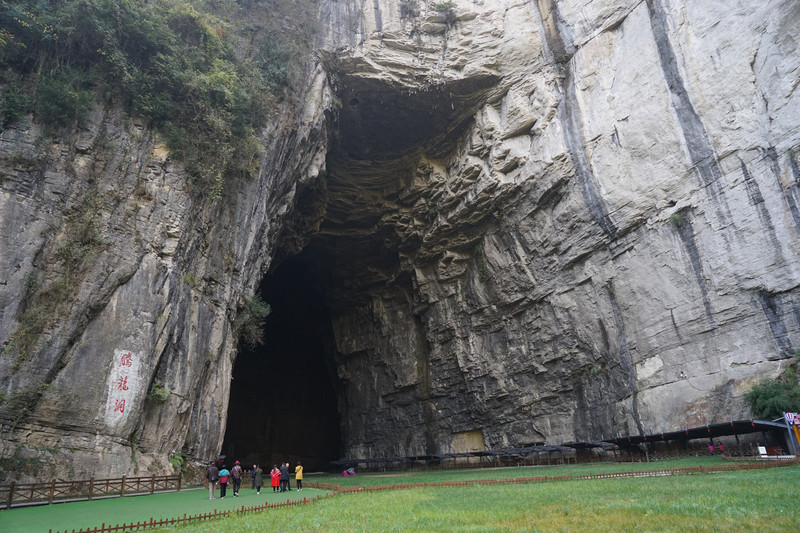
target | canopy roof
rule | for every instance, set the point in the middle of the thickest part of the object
(734, 427)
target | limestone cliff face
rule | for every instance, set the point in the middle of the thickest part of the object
(531, 221)
(119, 282)
(593, 206)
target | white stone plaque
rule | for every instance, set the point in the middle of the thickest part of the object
(123, 381)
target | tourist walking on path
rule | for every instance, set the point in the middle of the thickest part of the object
(298, 476)
(212, 475)
(275, 474)
(223, 481)
(253, 477)
(236, 474)
(258, 478)
(285, 477)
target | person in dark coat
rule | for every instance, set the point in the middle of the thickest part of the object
(253, 477)
(285, 477)
(212, 475)
(236, 474)
(258, 478)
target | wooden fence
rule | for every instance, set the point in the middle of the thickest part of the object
(147, 524)
(25, 494)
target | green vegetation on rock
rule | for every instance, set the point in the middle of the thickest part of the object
(444, 6)
(158, 392)
(448, 8)
(772, 397)
(250, 320)
(178, 461)
(206, 73)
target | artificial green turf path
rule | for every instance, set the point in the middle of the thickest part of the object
(112, 511)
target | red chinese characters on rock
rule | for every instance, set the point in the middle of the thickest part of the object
(121, 388)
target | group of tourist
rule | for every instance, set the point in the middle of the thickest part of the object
(279, 477)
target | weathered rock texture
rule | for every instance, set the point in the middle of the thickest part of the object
(592, 206)
(530, 221)
(146, 302)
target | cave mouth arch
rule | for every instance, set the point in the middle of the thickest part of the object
(283, 401)
(341, 249)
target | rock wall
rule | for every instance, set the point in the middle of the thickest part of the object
(535, 221)
(120, 287)
(598, 233)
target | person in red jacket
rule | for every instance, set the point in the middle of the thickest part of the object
(275, 474)
(224, 473)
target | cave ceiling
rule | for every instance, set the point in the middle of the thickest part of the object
(354, 227)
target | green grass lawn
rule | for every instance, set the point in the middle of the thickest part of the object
(457, 474)
(746, 500)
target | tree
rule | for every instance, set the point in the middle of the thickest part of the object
(772, 397)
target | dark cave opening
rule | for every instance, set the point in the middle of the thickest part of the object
(283, 402)
(340, 248)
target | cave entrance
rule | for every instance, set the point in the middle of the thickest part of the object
(338, 252)
(283, 402)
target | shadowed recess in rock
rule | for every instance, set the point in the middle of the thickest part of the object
(381, 122)
(283, 404)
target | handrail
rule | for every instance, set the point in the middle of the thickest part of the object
(25, 494)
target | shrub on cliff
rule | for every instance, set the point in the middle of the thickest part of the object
(252, 314)
(772, 397)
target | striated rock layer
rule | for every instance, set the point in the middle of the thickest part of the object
(593, 209)
(133, 282)
(528, 221)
